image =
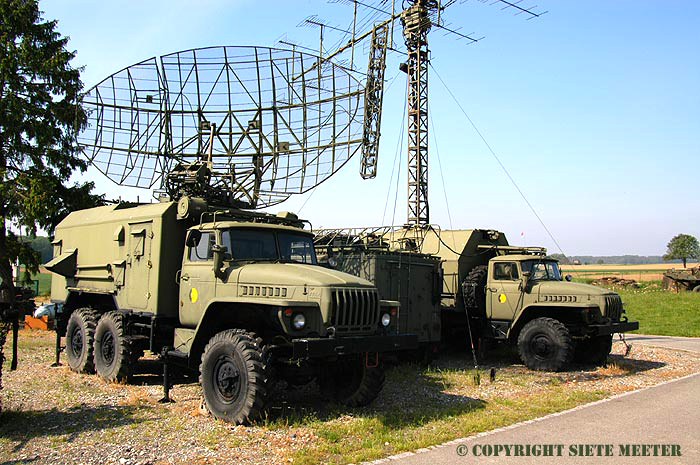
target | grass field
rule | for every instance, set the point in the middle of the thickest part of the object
(649, 272)
(41, 282)
(658, 311)
(662, 312)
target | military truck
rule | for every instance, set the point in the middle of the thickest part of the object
(234, 294)
(495, 291)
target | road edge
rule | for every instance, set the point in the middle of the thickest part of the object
(454, 442)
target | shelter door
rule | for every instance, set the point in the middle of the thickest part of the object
(139, 265)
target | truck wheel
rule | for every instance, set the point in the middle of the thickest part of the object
(232, 375)
(545, 345)
(350, 382)
(696, 288)
(473, 289)
(594, 350)
(113, 354)
(80, 337)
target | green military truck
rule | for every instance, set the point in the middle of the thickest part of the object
(485, 287)
(518, 295)
(234, 294)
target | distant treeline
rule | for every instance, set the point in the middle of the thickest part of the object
(612, 259)
(43, 246)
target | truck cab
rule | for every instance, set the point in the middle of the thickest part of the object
(518, 285)
(552, 320)
(270, 275)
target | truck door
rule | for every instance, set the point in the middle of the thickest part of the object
(503, 295)
(197, 281)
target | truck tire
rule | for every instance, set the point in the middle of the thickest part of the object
(114, 356)
(233, 376)
(351, 382)
(545, 344)
(473, 289)
(80, 340)
(594, 350)
(696, 288)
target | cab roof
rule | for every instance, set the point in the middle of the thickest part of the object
(251, 225)
(521, 257)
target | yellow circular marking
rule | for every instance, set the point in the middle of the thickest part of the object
(502, 298)
(194, 295)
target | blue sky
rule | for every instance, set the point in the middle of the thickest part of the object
(593, 108)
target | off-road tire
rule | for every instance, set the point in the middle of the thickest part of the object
(696, 288)
(545, 344)
(80, 340)
(474, 289)
(594, 350)
(233, 376)
(350, 382)
(114, 356)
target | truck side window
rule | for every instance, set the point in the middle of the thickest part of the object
(203, 250)
(505, 271)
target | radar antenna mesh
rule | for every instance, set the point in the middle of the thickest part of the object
(244, 126)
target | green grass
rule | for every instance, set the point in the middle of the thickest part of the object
(660, 312)
(41, 284)
(372, 436)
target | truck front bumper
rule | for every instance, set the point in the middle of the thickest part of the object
(325, 347)
(611, 328)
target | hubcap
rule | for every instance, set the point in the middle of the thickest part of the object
(542, 346)
(108, 348)
(76, 342)
(227, 379)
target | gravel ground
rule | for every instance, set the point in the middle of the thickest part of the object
(54, 416)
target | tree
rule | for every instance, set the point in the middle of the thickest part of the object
(39, 112)
(683, 247)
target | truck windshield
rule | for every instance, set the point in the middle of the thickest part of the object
(257, 244)
(542, 270)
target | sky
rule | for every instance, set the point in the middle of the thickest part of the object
(593, 110)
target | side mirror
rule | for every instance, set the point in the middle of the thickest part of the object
(193, 238)
(568, 277)
(219, 253)
(524, 280)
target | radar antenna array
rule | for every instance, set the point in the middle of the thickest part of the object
(239, 126)
(418, 17)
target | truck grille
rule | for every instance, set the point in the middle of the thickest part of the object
(613, 307)
(354, 310)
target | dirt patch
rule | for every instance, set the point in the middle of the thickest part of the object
(54, 416)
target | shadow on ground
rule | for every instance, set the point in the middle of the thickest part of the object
(410, 398)
(24, 426)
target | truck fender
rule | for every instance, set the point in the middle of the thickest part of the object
(249, 314)
(566, 315)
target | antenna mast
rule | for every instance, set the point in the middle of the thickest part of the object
(416, 25)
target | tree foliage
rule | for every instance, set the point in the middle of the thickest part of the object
(39, 112)
(683, 247)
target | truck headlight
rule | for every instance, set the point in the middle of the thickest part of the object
(386, 319)
(298, 321)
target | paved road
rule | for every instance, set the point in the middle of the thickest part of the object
(684, 343)
(667, 414)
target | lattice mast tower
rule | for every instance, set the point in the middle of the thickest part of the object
(416, 25)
